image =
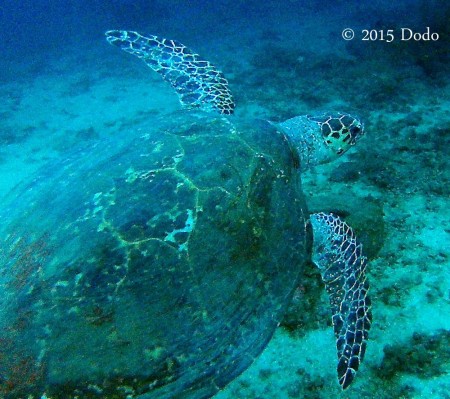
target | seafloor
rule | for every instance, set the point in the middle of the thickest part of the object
(283, 60)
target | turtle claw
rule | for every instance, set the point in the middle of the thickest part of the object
(338, 255)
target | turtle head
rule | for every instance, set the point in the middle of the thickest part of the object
(319, 139)
(339, 130)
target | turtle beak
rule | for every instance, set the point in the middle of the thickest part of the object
(356, 132)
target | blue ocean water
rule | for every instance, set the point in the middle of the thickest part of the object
(77, 296)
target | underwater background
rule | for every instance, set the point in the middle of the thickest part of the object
(64, 87)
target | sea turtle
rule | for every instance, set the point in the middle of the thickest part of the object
(158, 264)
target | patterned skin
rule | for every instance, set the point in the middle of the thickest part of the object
(339, 131)
(341, 262)
(196, 81)
(317, 140)
(322, 138)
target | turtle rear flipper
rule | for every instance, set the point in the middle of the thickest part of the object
(338, 255)
(197, 82)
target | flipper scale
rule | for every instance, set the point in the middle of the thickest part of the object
(196, 81)
(339, 256)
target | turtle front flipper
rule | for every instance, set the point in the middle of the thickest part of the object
(338, 255)
(197, 82)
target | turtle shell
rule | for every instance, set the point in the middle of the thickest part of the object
(154, 265)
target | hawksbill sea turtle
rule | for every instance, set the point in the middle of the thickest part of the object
(159, 265)
(316, 140)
